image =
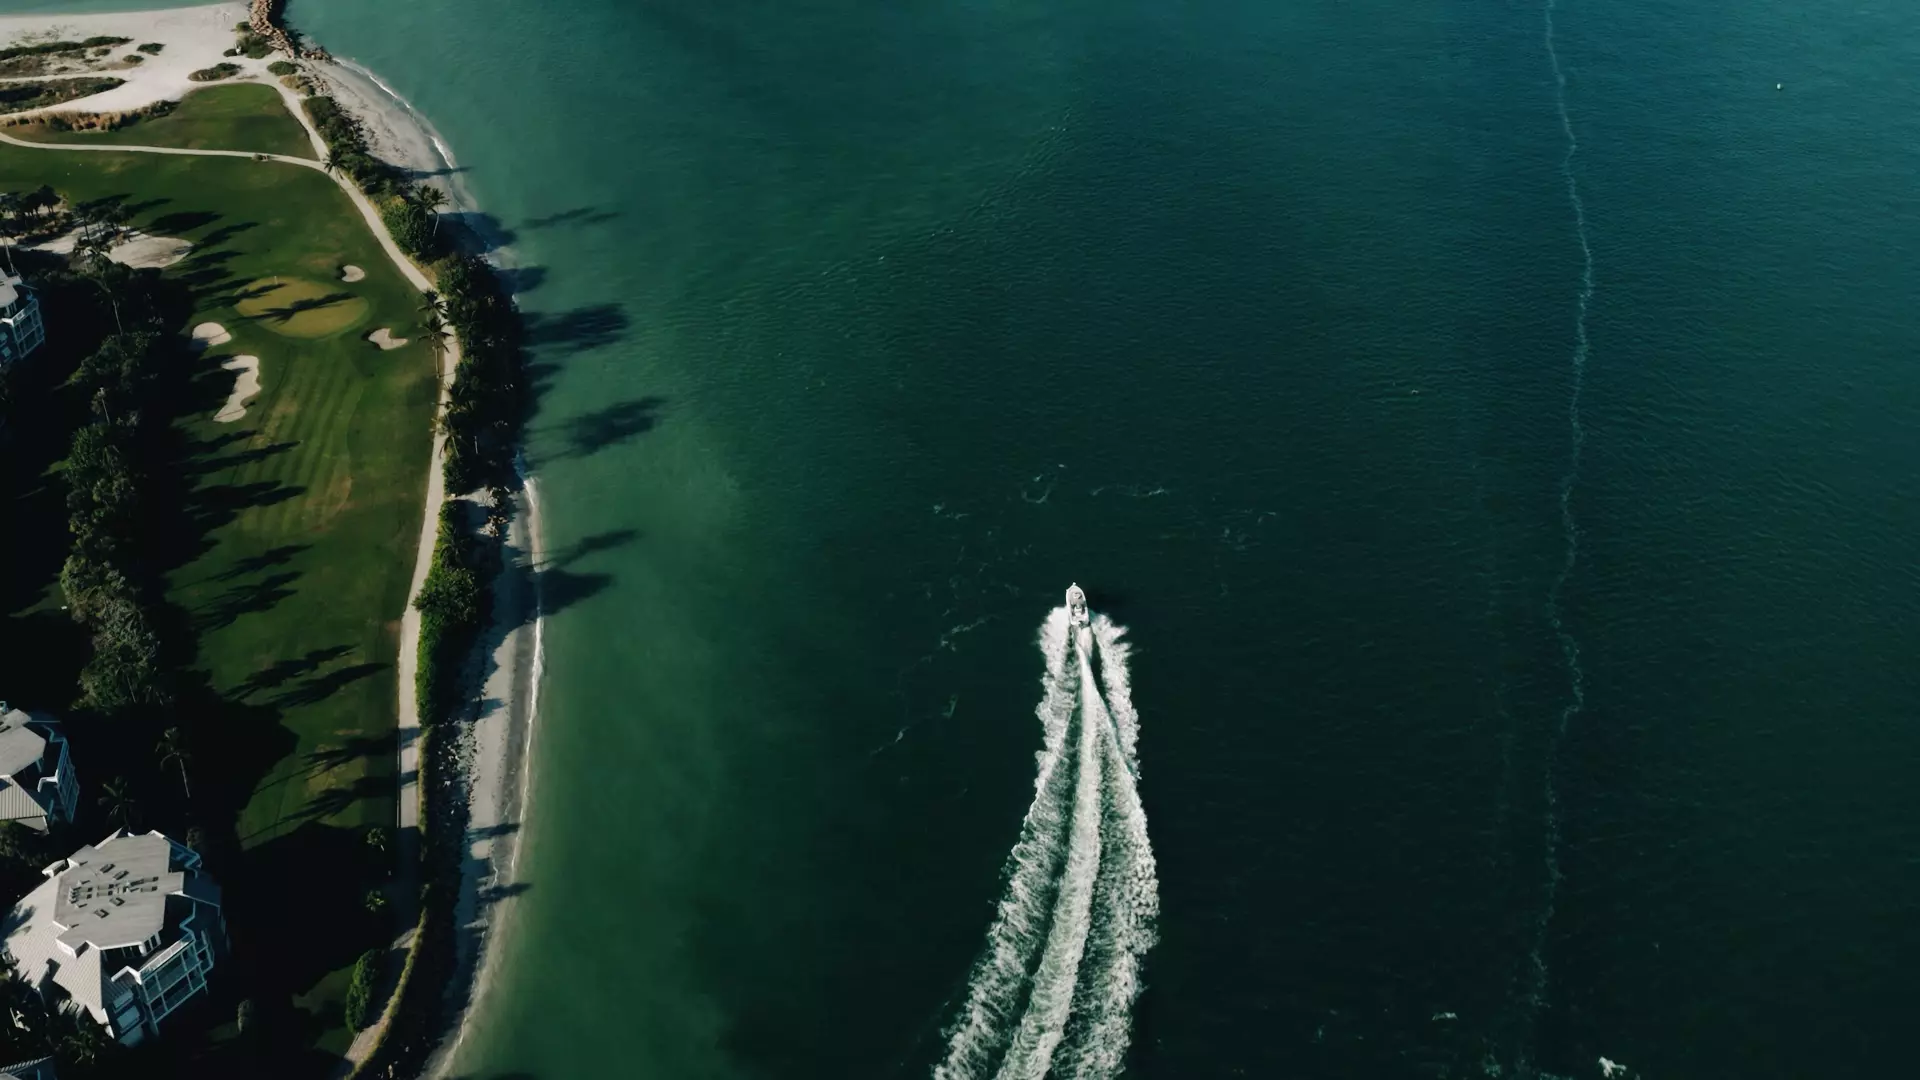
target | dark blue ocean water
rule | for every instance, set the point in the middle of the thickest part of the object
(865, 328)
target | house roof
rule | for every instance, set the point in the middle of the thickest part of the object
(104, 898)
(37, 1069)
(20, 745)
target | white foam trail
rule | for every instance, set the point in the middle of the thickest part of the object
(1570, 529)
(1126, 908)
(1020, 924)
(1055, 980)
(535, 551)
(1118, 690)
(1053, 994)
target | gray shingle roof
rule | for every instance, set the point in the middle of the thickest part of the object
(37, 1069)
(79, 927)
(20, 745)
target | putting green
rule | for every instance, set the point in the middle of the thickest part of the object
(297, 307)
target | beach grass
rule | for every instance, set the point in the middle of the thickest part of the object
(294, 548)
(236, 116)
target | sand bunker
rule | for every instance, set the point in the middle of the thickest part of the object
(384, 338)
(135, 249)
(209, 334)
(352, 273)
(142, 251)
(246, 383)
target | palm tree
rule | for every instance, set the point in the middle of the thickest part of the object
(431, 199)
(173, 751)
(117, 796)
(331, 163)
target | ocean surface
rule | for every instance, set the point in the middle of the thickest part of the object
(1516, 546)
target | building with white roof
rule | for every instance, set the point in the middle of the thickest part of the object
(21, 330)
(37, 785)
(127, 929)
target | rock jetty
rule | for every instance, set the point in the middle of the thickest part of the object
(263, 17)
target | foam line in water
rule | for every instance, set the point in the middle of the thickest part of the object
(1126, 903)
(1535, 994)
(998, 987)
(1055, 980)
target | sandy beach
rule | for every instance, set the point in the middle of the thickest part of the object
(194, 38)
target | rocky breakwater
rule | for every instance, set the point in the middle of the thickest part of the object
(263, 17)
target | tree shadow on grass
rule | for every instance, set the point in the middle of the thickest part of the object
(281, 672)
(226, 232)
(242, 600)
(321, 687)
(183, 221)
(301, 307)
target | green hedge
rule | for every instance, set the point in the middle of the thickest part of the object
(361, 990)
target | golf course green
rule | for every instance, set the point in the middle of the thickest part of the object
(304, 518)
(235, 116)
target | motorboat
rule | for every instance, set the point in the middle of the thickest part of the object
(1076, 606)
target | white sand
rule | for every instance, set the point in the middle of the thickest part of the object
(352, 273)
(135, 249)
(209, 335)
(384, 338)
(141, 250)
(194, 38)
(246, 383)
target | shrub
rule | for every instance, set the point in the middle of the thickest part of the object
(134, 58)
(252, 46)
(411, 226)
(152, 48)
(282, 67)
(47, 47)
(360, 990)
(215, 73)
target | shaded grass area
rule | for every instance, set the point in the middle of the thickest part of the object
(288, 570)
(240, 116)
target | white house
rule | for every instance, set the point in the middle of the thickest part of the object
(37, 784)
(127, 929)
(21, 330)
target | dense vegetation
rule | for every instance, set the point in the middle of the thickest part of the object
(215, 73)
(20, 96)
(47, 47)
(361, 989)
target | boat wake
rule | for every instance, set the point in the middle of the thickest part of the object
(1053, 991)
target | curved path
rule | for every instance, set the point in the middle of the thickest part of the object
(409, 659)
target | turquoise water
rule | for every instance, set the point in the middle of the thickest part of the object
(865, 328)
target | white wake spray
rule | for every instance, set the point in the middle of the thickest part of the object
(1053, 992)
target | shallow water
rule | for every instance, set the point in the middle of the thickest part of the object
(865, 329)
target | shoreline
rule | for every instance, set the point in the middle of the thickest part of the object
(496, 738)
